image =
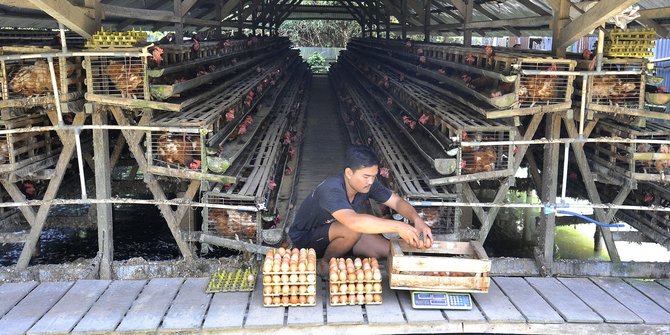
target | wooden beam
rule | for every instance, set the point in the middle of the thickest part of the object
(655, 13)
(660, 30)
(535, 8)
(229, 7)
(537, 21)
(103, 190)
(78, 19)
(139, 13)
(467, 15)
(561, 19)
(594, 17)
(549, 188)
(125, 23)
(186, 5)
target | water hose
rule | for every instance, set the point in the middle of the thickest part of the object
(561, 211)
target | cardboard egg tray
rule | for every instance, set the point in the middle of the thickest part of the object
(355, 292)
(308, 281)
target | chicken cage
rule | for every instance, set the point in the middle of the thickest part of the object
(25, 80)
(551, 92)
(636, 161)
(233, 216)
(655, 224)
(18, 150)
(117, 78)
(615, 93)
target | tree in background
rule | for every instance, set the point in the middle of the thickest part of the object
(319, 33)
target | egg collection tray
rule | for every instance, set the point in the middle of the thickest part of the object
(289, 278)
(355, 282)
(236, 280)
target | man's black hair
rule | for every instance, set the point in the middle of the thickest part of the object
(360, 156)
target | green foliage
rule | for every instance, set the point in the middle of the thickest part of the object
(316, 59)
(319, 33)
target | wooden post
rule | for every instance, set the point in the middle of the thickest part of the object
(387, 20)
(549, 188)
(561, 19)
(103, 190)
(240, 19)
(178, 26)
(219, 17)
(403, 18)
(467, 32)
(426, 21)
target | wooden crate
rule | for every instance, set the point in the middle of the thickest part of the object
(21, 149)
(464, 267)
(25, 81)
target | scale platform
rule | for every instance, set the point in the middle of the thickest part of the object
(441, 300)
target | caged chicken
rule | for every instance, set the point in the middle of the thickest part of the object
(612, 89)
(128, 77)
(180, 150)
(35, 79)
(230, 223)
(538, 88)
(482, 160)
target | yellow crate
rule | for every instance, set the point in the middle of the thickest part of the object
(446, 266)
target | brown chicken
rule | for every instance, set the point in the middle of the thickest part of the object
(127, 77)
(611, 88)
(230, 223)
(182, 150)
(538, 88)
(482, 160)
(36, 79)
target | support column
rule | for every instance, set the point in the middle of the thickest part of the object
(561, 18)
(549, 188)
(103, 190)
(426, 21)
(403, 18)
(178, 26)
(467, 33)
(240, 19)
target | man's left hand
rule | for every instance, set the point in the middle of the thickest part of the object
(425, 232)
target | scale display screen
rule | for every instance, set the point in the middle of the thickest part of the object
(441, 300)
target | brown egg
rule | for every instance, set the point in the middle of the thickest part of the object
(293, 278)
(267, 266)
(351, 277)
(276, 278)
(359, 275)
(276, 267)
(302, 289)
(358, 263)
(360, 287)
(267, 290)
(360, 298)
(311, 300)
(281, 251)
(352, 299)
(302, 267)
(369, 298)
(294, 300)
(294, 257)
(311, 278)
(311, 266)
(377, 297)
(343, 276)
(276, 300)
(311, 289)
(267, 301)
(344, 288)
(294, 289)
(334, 300)
(293, 267)
(368, 287)
(377, 287)
(295, 251)
(285, 289)
(269, 254)
(284, 278)
(311, 251)
(284, 300)
(334, 276)
(367, 275)
(341, 266)
(276, 289)
(350, 269)
(377, 275)
(334, 288)
(352, 288)
(332, 261)
(374, 263)
(302, 278)
(285, 266)
(267, 279)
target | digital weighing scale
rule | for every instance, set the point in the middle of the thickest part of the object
(441, 300)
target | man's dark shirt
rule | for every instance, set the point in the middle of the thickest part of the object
(329, 197)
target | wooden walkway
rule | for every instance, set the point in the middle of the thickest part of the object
(180, 306)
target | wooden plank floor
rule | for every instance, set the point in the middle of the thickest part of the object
(180, 306)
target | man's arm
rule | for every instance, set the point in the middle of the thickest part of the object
(403, 208)
(370, 224)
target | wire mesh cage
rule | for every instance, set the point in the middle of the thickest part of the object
(441, 220)
(640, 161)
(545, 89)
(23, 77)
(175, 150)
(236, 217)
(655, 221)
(615, 92)
(20, 149)
(121, 77)
(485, 158)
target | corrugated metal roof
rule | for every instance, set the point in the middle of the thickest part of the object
(662, 50)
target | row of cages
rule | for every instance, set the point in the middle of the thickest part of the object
(498, 78)
(644, 161)
(422, 110)
(646, 195)
(20, 149)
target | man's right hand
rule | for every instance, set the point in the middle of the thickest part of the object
(409, 234)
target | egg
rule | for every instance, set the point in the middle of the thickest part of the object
(367, 275)
(368, 287)
(267, 279)
(267, 290)
(311, 289)
(343, 276)
(377, 287)
(302, 278)
(276, 289)
(352, 299)
(294, 257)
(293, 300)
(284, 278)
(276, 267)
(377, 275)
(302, 267)
(294, 289)
(276, 300)
(267, 266)
(285, 289)
(377, 297)
(302, 289)
(285, 267)
(351, 277)
(359, 275)
(334, 276)
(352, 288)
(360, 298)
(360, 287)
(267, 301)
(284, 300)
(334, 300)
(333, 288)
(281, 251)
(311, 266)
(344, 288)
(341, 266)
(369, 298)
(311, 278)
(358, 263)
(332, 261)
(311, 300)
(269, 254)
(374, 263)
(350, 270)
(293, 278)
(302, 299)
(293, 267)
(311, 251)
(276, 278)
